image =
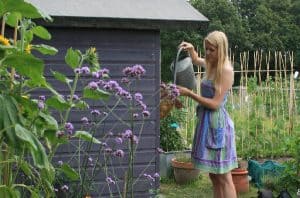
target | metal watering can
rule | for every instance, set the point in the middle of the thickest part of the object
(183, 70)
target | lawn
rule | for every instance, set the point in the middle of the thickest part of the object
(196, 189)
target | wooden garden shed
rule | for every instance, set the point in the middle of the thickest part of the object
(125, 33)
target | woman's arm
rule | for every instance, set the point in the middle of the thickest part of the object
(193, 54)
(215, 102)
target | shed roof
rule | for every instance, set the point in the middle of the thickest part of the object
(141, 14)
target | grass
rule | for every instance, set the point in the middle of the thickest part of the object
(196, 189)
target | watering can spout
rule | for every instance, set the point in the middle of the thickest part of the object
(183, 70)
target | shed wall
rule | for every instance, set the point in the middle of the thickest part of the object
(117, 49)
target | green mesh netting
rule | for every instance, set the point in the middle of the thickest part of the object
(258, 170)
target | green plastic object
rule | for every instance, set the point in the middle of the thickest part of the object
(258, 170)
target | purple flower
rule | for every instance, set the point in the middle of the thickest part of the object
(103, 71)
(146, 114)
(95, 112)
(134, 71)
(118, 140)
(85, 120)
(108, 150)
(159, 150)
(85, 70)
(142, 104)
(138, 96)
(110, 181)
(69, 127)
(95, 75)
(124, 80)
(90, 160)
(104, 144)
(127, 134)
(77, 71)
(156, 175)
(127, 71)
(60, 134)
(135, 115)
(112, 85)
(100, 83)
(93, 85)
(135, 139)
(149, 177)
(41, 104)
(60, 162)
(119, 153)
(42, 98)
(75, 97)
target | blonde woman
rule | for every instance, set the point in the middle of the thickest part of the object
(214, 141)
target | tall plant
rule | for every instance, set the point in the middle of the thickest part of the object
(30, 134)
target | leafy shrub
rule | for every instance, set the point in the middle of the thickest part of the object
(170, 138)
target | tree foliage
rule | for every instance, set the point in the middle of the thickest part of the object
(249, 24)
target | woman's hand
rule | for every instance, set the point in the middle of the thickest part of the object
(186, 46)
(184, 91)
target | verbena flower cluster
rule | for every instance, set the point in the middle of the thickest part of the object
(168, 91)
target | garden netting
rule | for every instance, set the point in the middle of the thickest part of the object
(258, 170)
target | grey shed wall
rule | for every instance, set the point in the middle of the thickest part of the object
(117, 49)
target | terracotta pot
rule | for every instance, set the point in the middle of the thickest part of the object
(240, 180)
(184, 172)
(165, 108)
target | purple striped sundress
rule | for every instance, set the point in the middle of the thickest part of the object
(213, 147)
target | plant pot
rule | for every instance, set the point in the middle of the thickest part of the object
(165, 167)
(240, 180)
(184, 172)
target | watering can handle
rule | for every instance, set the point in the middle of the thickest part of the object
(175, 63)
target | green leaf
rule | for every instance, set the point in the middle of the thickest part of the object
(26, 168)
(13, 18)
(41, 32)
(58, 103)
(95, 94)
(45, 49)
(25, 135)
(61, 77)
(82, 105)
(34, 195)
(51, 121)
(69, 172)
(36, 148)
(72, 58)
(27, 65)
(28, 36)
(7, 192)
(1, 8)
(86, 136)
(10, 117)
(25, 9)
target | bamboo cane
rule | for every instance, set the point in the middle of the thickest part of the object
(292, 95)
(3, 26)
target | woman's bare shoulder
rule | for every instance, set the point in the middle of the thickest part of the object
(228, 68)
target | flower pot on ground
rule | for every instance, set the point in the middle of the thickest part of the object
(165, 168)
(184, 170)
(240, 180)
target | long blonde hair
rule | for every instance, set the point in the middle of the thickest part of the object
(220, 41)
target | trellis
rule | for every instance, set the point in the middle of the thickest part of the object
(267, 94)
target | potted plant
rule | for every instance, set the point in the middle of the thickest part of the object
(171, 141)
(184, 170)
(240, 180)
(240, 176)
